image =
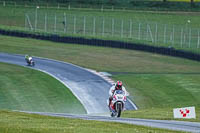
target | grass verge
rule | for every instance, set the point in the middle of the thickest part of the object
(165, 113)
(157, 94)
(14, 122)
(30, 90)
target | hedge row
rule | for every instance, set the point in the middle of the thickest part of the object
(105, 43)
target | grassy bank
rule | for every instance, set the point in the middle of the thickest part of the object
(153, 28)
(165, 113)
(174, 90)
(99, 58)
(157, 94)
(30, 90)
(13, 122)
(153, 81)
(17, 15)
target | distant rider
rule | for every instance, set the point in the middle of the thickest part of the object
(117, 86)
(28, 58)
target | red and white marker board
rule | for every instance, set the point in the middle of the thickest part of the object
(187, 112)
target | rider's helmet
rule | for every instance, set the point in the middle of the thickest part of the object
(26, 56)
(118, 85)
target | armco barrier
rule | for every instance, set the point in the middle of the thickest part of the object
(105, 43)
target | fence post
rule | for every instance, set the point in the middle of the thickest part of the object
(139, 28)
(181, 37)
(94, 26)
(151, 35)
(198, 44)
(36, 15)
(35, 18)
(45, 23)
(190, 33)
(113, 25)
(80, 6)
(184, 39)
(74, 24)
(173, 35)
(165, 31)
(103, 27)
(156, 33)
(69, 7)
(4, 3)
(122, 27)
(58, 5)
(55, 23)
(130, 28)
(147, 33)
(65, 22)
(25, 22)
(29, 22)
(84, 23)
(102, 8)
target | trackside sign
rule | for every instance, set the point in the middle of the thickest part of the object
(187, 112)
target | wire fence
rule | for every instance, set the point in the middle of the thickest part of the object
(150, 33)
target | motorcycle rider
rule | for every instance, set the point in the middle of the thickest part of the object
(117, 86)
(28, 58)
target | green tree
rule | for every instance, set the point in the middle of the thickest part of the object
(192, 3)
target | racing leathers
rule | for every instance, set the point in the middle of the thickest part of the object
(28, 58)
(111, 92)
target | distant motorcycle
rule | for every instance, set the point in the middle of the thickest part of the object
(30, 61)
(118, 103)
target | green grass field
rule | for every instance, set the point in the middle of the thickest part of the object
(165, 113)
(13, 122)
(172, 90)
(168, 24)
(154, 81)
(157, 94)
(176, 18)
(30, 90)
(97, 58)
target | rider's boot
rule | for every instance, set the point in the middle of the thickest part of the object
(110, 100)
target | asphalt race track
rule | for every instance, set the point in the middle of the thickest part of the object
(89, 88)
(166, 124)
(92, 91)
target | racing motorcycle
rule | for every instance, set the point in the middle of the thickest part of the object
(118, 103)
(30, 62)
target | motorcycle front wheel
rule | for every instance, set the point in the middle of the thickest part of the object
(119, 113)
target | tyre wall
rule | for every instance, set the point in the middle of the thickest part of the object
(105, 43)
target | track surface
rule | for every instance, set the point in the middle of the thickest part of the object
(166, 124)
(92, 91)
